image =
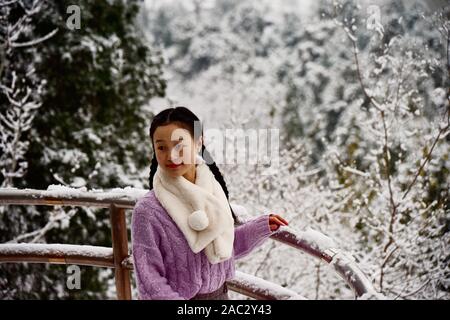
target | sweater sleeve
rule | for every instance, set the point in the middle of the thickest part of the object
(250, 235)
(148, 262)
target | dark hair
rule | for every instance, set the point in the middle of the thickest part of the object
(186, 118)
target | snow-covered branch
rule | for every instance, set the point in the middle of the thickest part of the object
(16, 120)
(57, 217)
(22, 95)
(35, 41)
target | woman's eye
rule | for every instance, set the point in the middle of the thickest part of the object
(160, 148)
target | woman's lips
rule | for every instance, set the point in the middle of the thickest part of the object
(173, 166)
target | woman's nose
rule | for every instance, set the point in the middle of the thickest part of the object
(176, 154)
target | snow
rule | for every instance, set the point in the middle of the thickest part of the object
(64, 191)
(372, 296)
(119, 193)
(241, 212)
(35, 41)
(127, 193)
(267, 287)
(313, 238)
(355, 171)
(55, 249)
(78, 182)
(439, 97)
(310, 236)
(345, 265)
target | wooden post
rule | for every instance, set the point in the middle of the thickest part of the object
(120, 250)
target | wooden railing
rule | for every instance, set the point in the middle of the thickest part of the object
(118, 256)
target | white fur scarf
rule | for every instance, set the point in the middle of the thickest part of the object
(200, 210)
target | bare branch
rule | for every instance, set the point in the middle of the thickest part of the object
(38, 234)
(358, 72)
(442, 130)
(427, 159)
(317, 280)
(4, 4)
(35, 41)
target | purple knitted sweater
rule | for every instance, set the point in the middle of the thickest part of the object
(164, 264)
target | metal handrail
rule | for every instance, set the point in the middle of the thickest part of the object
(117, 201)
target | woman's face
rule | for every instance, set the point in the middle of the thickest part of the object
(175, 149)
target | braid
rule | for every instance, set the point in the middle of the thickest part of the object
(153, 168)
(217, 174)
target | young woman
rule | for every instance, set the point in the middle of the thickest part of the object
(184, 237)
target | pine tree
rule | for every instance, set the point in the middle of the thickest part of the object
(90, 131)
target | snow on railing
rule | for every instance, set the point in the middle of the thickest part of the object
(250, 286)
(62, 195)
(261, 289)
(57, 254)
(310, 241)
(322, 247)
(103, 257)
(345, 266)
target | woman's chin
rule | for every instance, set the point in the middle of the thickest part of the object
(174, 172)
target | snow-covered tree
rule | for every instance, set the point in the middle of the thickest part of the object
(20, 87)
(89, 131)
(362, 106)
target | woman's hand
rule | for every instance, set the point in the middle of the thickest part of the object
(275, 221)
